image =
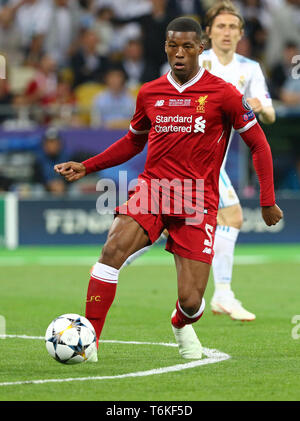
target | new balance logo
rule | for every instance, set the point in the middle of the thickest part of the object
(159, 103)
(199, 125)
(207, 250)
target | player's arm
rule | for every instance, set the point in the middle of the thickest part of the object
(119, 152)
(244, 121)
(263, 165)
(266, 113)
(259, 98)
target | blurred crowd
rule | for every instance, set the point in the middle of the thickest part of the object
(74, 63)
(69, 62)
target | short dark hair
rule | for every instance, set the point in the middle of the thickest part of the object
(184, 24)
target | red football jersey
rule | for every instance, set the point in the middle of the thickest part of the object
(188, 129)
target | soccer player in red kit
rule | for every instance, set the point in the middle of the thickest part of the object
(186, 117)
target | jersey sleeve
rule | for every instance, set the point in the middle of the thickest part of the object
(140, 123)
(237, 110)
(263, 163)
(258, 87)
(118, 153)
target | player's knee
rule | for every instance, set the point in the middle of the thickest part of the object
(112, 254)
(238, 222)
(237, 217)
(231, 216)
(107, 253)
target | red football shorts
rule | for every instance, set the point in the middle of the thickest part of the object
(193, 242)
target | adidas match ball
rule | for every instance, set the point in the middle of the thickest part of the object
(70, 339)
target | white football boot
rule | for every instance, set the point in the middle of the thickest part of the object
(189, 345)
(93, 358)
(226, 303)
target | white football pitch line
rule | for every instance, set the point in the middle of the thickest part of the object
(212, 356)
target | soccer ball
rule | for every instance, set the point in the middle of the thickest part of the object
(71, 339)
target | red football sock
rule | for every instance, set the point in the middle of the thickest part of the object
(180, 318)
(100, 295)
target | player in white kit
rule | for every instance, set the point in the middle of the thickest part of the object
(225, 29)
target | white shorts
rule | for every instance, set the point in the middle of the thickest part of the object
(228, 196)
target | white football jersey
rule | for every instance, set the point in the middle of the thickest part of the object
(245, 74)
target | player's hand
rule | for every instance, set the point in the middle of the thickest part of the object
(271, 214)
(71, 171)
(255, 104)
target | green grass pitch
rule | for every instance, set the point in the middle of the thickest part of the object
(38, 284)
